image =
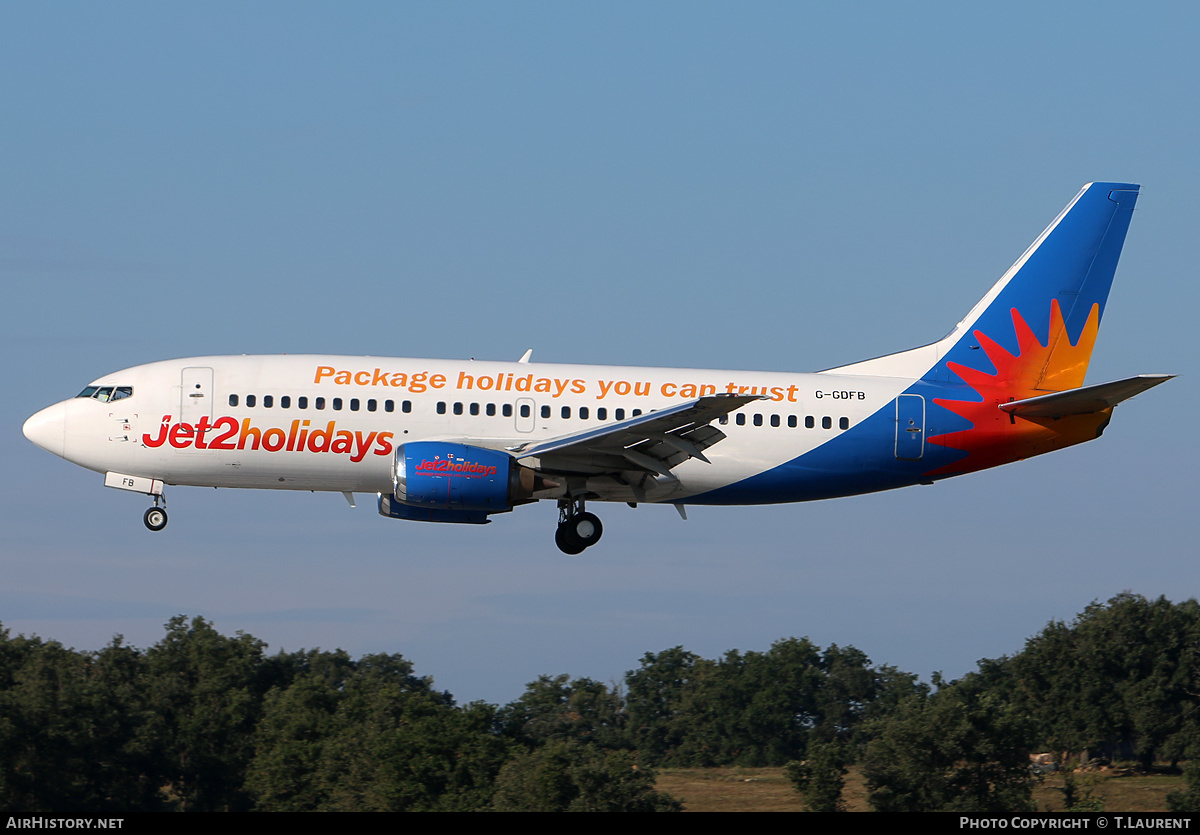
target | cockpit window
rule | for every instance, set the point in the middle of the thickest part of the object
(106, 393)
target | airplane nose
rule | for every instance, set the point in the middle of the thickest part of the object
(48, 428)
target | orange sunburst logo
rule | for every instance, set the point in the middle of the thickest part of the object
(995, 437)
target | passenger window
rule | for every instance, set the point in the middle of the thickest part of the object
(337, 404)
(507, 410)
(458, 408)
(808, 422)
(619, 414)
(545, 411)
(602, 413)
(320, 404)
(285, 402)
(791, 421)
(844, 423)
(740, 419)
(268, 401)
(302, 402)
(474, 408)
(826, 423)
(441, 407)
(637, 412)
(354, 404)
(251, 400)
(583, 412)
(758, 420)
(491, 410)
(723, 420)
(371, 404)
(774, 420)
(233, 400)
(525, 410)
(566, 412)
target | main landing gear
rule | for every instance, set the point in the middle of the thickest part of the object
(156, 517)
(577, 529)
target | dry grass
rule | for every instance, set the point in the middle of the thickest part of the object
(1119, 791)
(767, 790)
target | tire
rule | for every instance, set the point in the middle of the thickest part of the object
(587, 528)
(567, 542)
(155, 518)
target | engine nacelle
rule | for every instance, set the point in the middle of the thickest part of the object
(446, 476)
(388, 506)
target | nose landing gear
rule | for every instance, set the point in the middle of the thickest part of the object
(156, 517)
(577, 529)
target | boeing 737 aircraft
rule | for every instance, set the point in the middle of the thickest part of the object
(455, 441)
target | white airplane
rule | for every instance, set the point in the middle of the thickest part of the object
(458, 441)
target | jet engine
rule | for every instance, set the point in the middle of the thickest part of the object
(439, 481)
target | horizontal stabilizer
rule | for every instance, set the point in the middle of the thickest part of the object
(1084, 401)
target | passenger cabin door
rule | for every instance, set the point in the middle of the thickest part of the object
(195, 394)
(910, 427)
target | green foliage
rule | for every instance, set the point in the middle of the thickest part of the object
(753, 709)
(203, 694)
(1117, 681)
(963, 749)
(291, 738)
(557, 708)
(655, 696)
(821, 777)
(1188, 800)
(373, 737)
(204, 721)
(67, 727)
(1079, 794)
(568, 776)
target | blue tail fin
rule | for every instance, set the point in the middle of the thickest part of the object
(1058, 289)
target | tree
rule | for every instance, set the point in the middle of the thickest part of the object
(654, 696)
(753, 708)
(964, 749)
(203, 699)
(1187, 801)
(374, 737)
(1118, 680)
(821, 776)
(68, 721)
(570, 776)
(557, 708)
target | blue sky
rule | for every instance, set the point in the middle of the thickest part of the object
(785, 186)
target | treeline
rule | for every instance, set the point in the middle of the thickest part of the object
(202, 721)
(1120, 682)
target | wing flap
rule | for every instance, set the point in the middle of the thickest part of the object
(655, 442)
(1086, 400)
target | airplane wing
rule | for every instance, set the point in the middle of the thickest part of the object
(1086, 400)
(653, 443)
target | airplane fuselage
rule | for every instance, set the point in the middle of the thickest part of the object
(317, 422)
(459, 441)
